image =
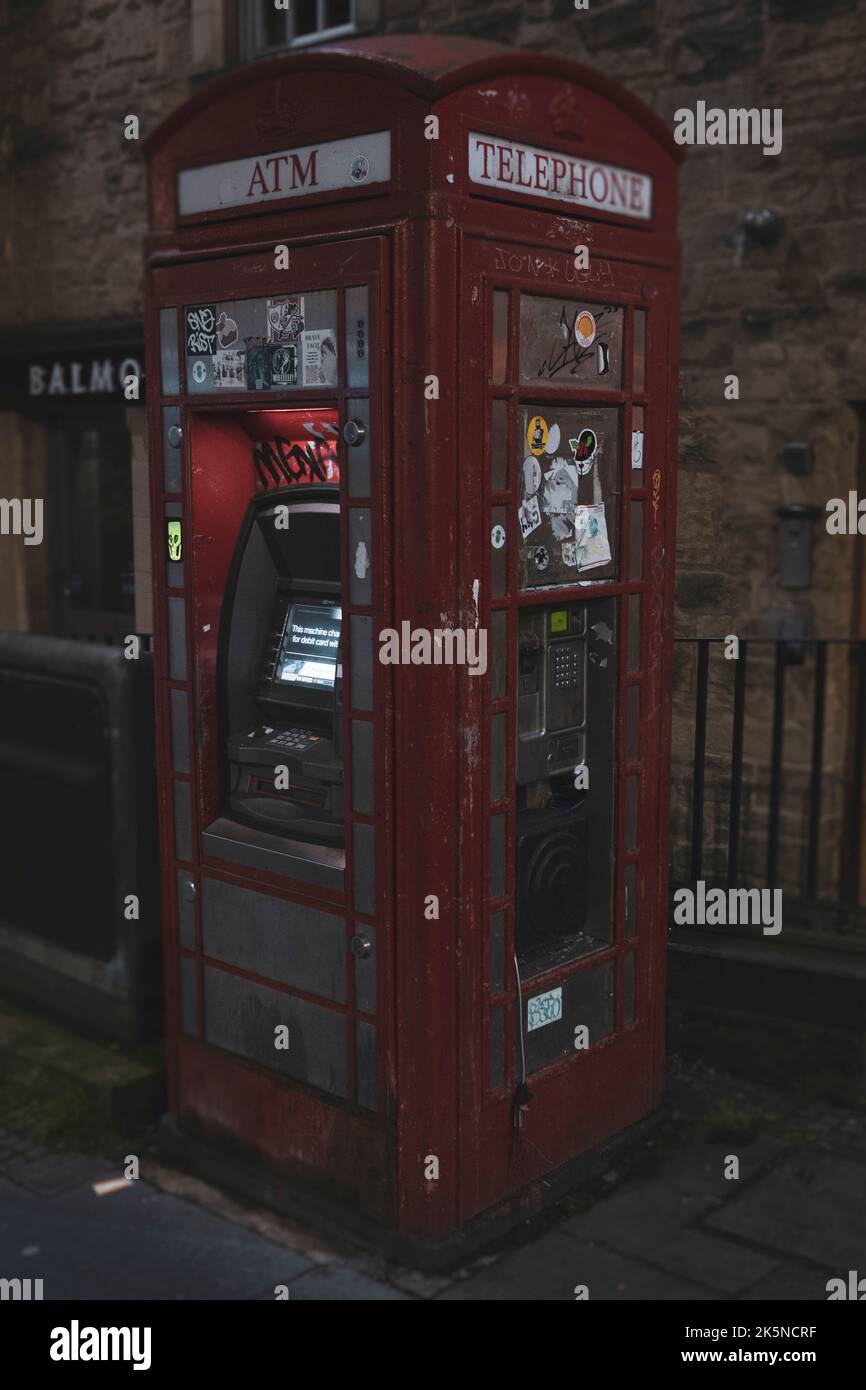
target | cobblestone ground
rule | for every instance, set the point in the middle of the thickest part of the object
(667, 1224)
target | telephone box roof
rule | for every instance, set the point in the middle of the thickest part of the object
(429, 65)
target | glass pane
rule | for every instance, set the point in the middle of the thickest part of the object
(168, 352)
(632, 723)
(497, 1048)
(498, 654)
(637, 441)
(570, 479)
(278, 343)
(630, 903)
(565, 342)
(97, 518)
(551, 1019)
(306, 19)
(497, 757)
(497, 856)
(634, 632)
(639, 358)
(497, 953)
(631, 796)
(635, 544)
(499, 550)
(337, 12)
(499, 446)
(499, 351)
(628, 989)
(357, 336)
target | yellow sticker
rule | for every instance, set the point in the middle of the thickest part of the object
(536, 434)
(559, 620)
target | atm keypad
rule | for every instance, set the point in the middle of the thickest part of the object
(295, 740)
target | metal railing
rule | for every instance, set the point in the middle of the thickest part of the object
(787, 721)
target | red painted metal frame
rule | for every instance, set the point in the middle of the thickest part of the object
(427, 246)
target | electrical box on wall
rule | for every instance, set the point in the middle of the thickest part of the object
(413, 604)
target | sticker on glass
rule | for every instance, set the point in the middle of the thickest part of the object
(497, 537)
(199, 372)
(584, 449)
(637, 448)
(284, 365)
(541, 558)
(285, 318)
(359, 169)
(226, 330)
(585, 328)
(590, 527)
(552, 440)
(543, 1009)
(569, 554)
(319, 351)
(201, 336)
(230, 369)
(529, 516)
(531, 475)
(537, 434)
(558, 500)
(258, 364)
(174, 538)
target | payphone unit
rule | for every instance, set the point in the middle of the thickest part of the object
(409, 391)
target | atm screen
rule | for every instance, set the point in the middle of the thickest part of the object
(308, 651)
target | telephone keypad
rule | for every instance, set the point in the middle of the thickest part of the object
(565, 662)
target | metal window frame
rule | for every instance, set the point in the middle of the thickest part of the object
(253, 43)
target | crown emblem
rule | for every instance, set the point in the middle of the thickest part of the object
(566, 115)
(276, 116)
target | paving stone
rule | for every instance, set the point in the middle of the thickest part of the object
(813, 1206)
(53, 1173)
(549, 1270)
(337, 1283)
(137, 1244)
(791, 1282)
(645, 1234)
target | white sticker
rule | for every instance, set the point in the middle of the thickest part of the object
(529, 515)
(637, 448)
(569, 554)
(590, 525)
(552, 440)
(531, 475)
(230, 369)
(544, 1009)
(497, 537)
(199, 372)
(319, 353)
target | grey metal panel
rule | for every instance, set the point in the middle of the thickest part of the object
(360, 556)
(172, 454)
(268, 936)
(176, 639)
(365, 972)
(587, 1001)
(363, 797)
(188, 997)
(497, 1048)
(179, 731)
(364, 867)
(361, 642)
(168, 352)
(365, 1062)
(242, 1016)
(240, 844)
(497, 856)
(358, 458)
(186, 909)
(182, 820)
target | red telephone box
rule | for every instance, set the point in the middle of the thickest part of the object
(412, 309)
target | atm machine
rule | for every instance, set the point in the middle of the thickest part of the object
(280, 672)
